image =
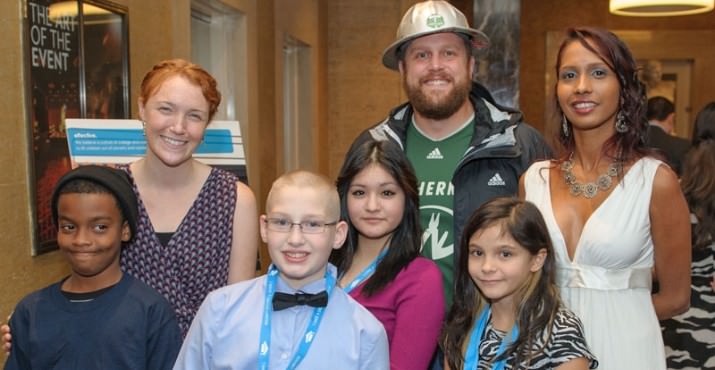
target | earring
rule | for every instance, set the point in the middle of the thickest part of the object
(564, 125)
(143, 128)
(621, 125)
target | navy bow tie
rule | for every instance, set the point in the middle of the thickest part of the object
(281, 301)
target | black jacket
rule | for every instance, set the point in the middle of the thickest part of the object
(505, 145)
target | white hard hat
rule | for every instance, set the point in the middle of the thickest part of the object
(430, 17)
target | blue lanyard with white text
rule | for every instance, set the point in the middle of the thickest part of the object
(471, 357)
(366, 272)
(265, 341)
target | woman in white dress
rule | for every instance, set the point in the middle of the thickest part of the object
(616, 215)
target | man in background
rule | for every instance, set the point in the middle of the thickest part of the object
(661, 125)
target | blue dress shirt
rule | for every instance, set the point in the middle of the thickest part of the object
(226, 329)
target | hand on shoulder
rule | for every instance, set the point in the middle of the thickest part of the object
(6, 337)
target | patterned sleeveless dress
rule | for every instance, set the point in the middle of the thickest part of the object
(195, 261)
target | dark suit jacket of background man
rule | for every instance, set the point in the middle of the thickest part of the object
(673, 147)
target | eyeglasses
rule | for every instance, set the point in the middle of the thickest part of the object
(283, 225)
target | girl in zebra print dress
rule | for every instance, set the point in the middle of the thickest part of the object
(689, 338)
(507, 313)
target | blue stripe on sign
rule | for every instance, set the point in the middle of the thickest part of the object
(216, 141)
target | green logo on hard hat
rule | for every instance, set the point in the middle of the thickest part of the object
(435, 21)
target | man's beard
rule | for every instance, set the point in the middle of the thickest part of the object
(441, 108)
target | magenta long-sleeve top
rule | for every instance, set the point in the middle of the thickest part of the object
(411, 308)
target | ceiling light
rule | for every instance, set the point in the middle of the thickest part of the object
(659, 8)
(69, 9)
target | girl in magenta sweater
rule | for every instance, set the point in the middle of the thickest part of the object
(379, 264)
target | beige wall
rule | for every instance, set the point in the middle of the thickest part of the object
(360, 88)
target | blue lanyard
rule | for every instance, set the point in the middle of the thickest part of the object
(366, 272)
(471, 357)
(264, 348)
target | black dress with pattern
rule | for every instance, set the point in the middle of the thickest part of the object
(195, 261)
(689, 338)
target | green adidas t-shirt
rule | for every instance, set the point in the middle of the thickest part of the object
(435, 163)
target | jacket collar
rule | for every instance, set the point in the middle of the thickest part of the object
(492, 119)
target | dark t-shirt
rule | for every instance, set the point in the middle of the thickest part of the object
(130, 326)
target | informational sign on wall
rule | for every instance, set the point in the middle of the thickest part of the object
(122, 141)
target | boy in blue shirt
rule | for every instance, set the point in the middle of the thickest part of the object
(98, 317)
(294, 317)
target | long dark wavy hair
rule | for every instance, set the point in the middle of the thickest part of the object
(621, 147)
(698, 181)
(538, 298)
(406, 238)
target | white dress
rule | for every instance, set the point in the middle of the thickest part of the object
(608, 283)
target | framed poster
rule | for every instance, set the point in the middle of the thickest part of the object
(77, 67)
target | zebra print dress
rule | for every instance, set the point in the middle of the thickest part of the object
(566, 343)
(689, 338)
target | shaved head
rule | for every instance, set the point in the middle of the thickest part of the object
(306, 179)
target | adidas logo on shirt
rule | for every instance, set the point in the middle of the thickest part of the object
(496, 180)
(435, 154)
